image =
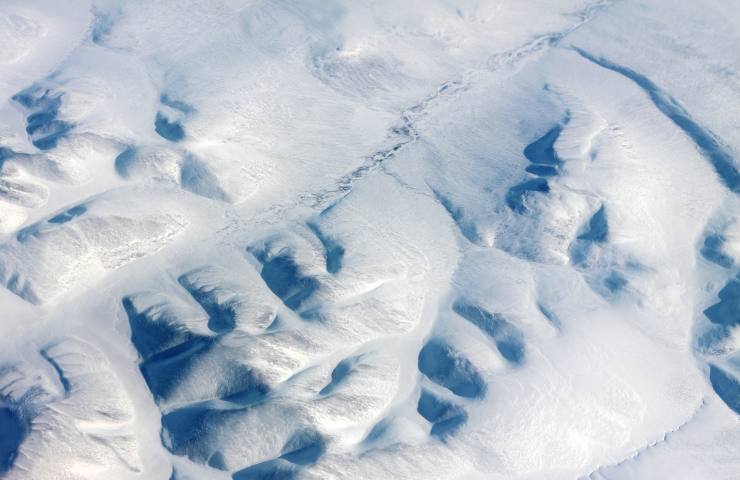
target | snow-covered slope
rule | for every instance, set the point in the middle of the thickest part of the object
(333, 239)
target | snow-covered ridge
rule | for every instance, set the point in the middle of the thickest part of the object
(329, 239)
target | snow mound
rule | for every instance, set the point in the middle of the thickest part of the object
(47, 258)
(73, 417)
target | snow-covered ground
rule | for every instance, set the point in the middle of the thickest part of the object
(344, 239)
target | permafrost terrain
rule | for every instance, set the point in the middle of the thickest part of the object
(339, 239)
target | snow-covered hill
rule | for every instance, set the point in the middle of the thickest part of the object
(343, 239)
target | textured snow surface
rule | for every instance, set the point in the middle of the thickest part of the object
(340, 239)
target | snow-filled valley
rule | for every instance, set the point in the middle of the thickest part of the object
(346, 239)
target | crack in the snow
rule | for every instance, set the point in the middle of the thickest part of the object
(599, 474)
(406, 131)
(551, 39)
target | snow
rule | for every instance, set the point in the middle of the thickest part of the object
(251, 239)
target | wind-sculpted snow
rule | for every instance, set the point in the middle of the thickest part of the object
(43, 126)
(706, 141)
(282, 275)
(330, 239)
(73, 424)
(507, 337)
(49, 257)
(333, 252)
(727, 311)
(165, 165)
(448, 368)
(545, 162)
(252, 367)
(15, 426)
(595, 232)
(467, 228)
(727, 387)
(169, 130)
(712, 250)
(445, 417)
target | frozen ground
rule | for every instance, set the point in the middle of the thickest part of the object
(343, 239)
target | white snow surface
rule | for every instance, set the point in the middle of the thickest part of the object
(344, 239)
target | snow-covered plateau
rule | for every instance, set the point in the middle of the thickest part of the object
(369, 239)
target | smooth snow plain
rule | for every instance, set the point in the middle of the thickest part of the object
(342, 239)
